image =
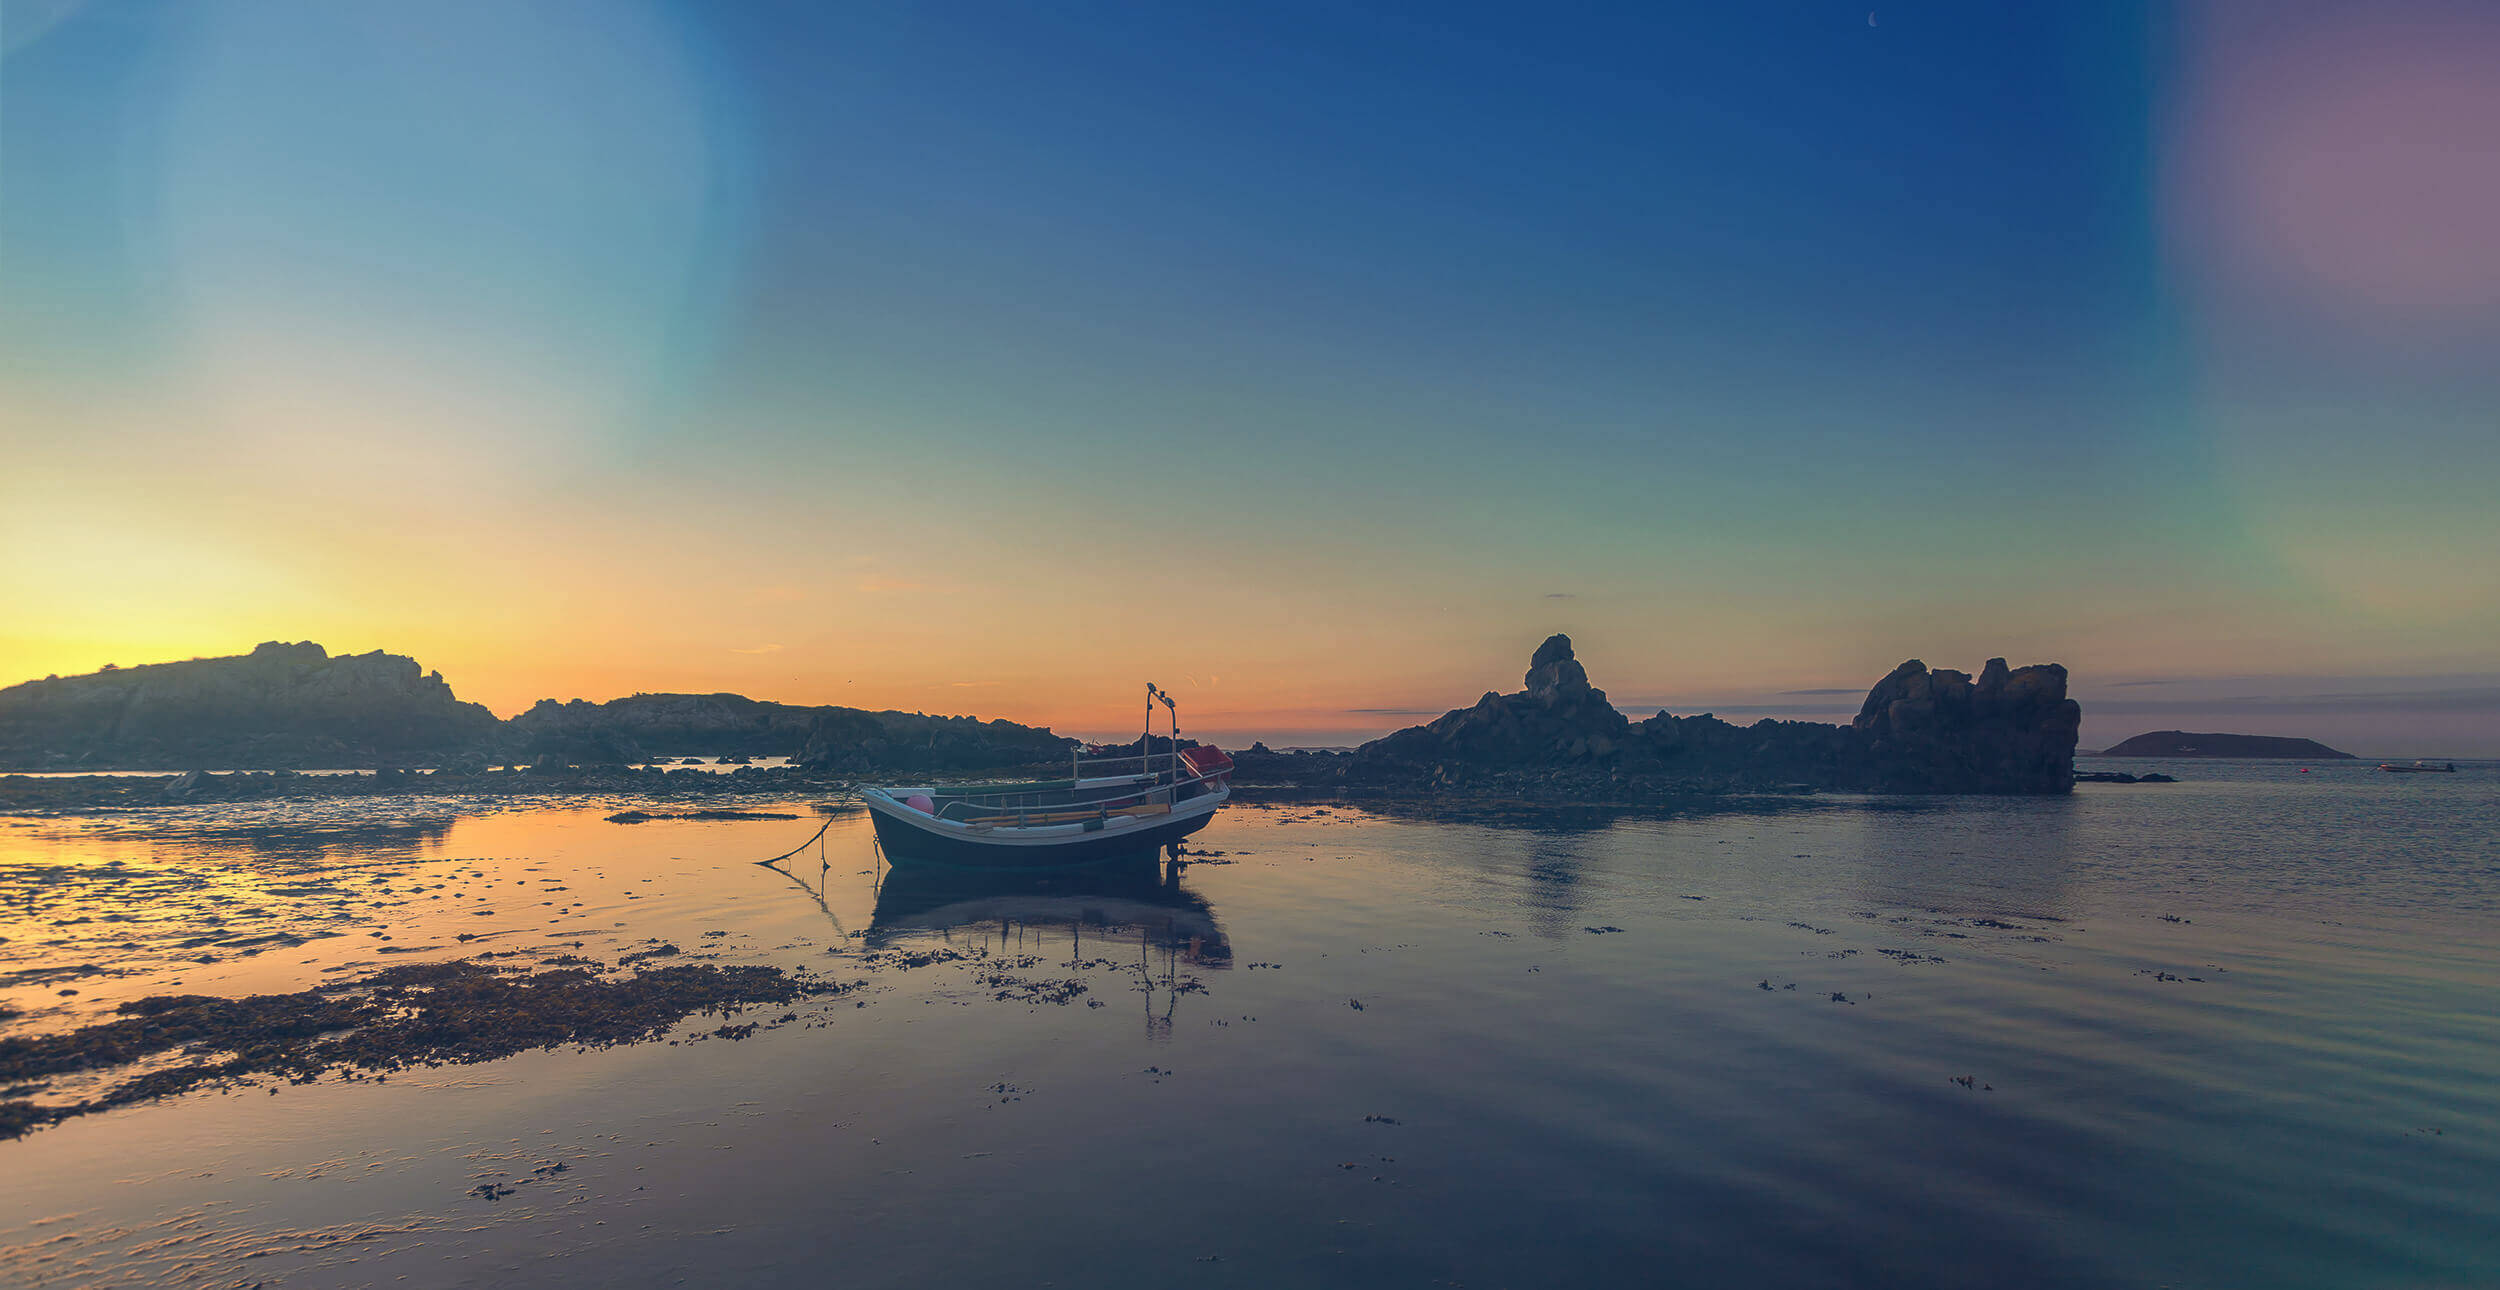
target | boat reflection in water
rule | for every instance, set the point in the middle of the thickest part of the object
(1136, 897)
(1127, 908)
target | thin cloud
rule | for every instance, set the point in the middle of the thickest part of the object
(1817, 693)
(1395, 712)
(1562, 595)
(880, 583)
(972, 685)
(2471, 699)
(759, 649)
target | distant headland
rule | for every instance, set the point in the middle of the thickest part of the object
(2181, 743)
(293, 706)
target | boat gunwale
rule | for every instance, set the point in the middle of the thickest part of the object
(881, 803)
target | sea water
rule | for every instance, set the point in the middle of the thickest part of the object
(2241, 1030)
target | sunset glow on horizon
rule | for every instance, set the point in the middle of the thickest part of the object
(1312, 363)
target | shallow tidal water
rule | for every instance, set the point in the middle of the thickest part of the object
(2242, 1030)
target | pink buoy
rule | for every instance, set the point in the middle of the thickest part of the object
(920, 802)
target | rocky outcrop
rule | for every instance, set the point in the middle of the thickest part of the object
(2009, 731)
(1558, 718)
(282, 705)
(2181, 743)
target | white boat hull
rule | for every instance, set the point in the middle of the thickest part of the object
(910, 834)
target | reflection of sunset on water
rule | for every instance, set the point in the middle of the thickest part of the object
(1670, 1005)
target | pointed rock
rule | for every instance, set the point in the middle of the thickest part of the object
(1553, 668)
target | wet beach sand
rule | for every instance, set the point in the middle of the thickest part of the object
(2230, 1032)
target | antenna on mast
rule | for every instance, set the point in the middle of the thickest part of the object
(1146, 746)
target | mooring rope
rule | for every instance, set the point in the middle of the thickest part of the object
(811, 841)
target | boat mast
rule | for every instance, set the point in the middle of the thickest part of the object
(1145, 744)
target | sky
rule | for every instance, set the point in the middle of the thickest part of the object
(1313, 360)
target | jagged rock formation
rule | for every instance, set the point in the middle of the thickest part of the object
(1559, 717)
(2180, 743)
(281, 705)
(2011, 731)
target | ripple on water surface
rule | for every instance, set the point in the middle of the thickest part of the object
(2233, 1031)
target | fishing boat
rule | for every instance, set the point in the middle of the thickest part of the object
(1120, 804)
(2419, 768)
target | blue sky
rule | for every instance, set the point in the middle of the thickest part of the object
(986, 354)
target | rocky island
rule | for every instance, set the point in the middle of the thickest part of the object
(1919, 731)
(2180, 743)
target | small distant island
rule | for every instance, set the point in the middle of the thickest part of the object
(2181, 743)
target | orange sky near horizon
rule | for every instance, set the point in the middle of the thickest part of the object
(591, 580)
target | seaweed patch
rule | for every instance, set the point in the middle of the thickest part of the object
(418, 1014)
